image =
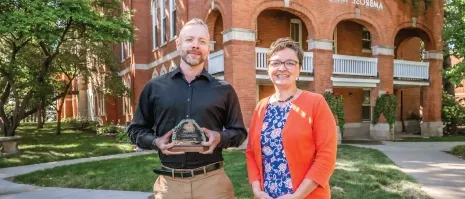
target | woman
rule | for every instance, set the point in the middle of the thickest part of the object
(292, 145)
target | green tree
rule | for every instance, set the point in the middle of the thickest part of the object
(454, 45)
(37, 39)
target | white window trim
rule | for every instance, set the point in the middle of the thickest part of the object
(365, 50)
(172, 19)
(162, 22)
(155, 73)
(369, 104)
(122, 52)
(163, 70)
(154, 13)
(101, 103)
(299, 22)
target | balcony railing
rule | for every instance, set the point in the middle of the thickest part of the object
(353, 65)
(261, 61)
(216, 62)
(411, 69)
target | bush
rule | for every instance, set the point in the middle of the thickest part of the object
(336, 104)
(122, 136)
(452, 112)
(82, 125)
(385, 104)
(108, 130)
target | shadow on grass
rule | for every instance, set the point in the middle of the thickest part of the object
(42, 145)
(360, 173)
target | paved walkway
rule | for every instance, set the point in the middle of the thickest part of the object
(442, 175)
(9, 190)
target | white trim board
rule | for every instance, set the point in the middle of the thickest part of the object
(165, 58)
(124, 72)
(266, 77)
(354, 82)
(410, 83)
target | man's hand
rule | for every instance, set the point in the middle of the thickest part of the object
(164, 145)
(214, 139)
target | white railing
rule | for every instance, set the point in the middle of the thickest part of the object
(353, 65)
(411, 69)
(260, 58)
(261, 63)
(307, 66)
(216, 62)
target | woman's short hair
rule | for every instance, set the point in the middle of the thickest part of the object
(283, 43)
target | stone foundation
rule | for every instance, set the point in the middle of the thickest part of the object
(381, 132)
(431, 129)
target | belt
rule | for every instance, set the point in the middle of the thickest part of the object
(188, 173)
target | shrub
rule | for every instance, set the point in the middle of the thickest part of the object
(385, 104)
(82, 125)
(452, 111)
(459, 151)
(108, 130)
(336, 104)
(122, 136)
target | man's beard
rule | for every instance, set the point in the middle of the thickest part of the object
(191, 61)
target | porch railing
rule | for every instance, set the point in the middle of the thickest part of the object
(353, 65)
(411, 69)
(216, 62)
(261, 63)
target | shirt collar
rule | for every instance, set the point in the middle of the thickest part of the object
(178, 72)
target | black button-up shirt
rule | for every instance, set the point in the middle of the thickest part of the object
(169, 98)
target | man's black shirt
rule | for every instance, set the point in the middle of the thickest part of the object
(169, 98)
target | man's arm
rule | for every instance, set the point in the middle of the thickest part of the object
(234, 133)
(140, 130)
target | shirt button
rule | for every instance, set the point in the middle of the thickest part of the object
(189, 85)
(188, 99)
(187, 115)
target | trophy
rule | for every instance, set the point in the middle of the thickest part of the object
(188, 137)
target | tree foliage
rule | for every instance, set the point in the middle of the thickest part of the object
(42, 40)
(454, 38)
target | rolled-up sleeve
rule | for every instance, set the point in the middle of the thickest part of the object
(325, 136)
(234, 132)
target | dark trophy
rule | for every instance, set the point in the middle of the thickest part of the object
(188, 137)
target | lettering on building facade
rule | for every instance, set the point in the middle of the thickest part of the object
(378, 5)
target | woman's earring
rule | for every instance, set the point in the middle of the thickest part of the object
(297, 78)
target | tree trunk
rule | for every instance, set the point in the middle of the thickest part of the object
(58, 129)
(40, 122)
(59, 110)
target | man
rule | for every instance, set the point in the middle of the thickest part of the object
(189, 92)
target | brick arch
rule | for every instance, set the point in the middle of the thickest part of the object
(371, 25)
(421, 31)
(295, 8)
(210, 15)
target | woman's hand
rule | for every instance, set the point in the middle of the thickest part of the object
(261, 195)
(288, 196)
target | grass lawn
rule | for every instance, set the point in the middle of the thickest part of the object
(459, 151)
(458, 138)
(360, 173)
(42, 145)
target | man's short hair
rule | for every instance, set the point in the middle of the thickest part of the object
(194, 21)
(283, 43)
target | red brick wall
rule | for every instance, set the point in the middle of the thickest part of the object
(409, 49)
(411, 98)
(275, 24)
(218, 36)
(349, 39)
(352, 104)
(265, 91)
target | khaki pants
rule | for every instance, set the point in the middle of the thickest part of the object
(213, 185)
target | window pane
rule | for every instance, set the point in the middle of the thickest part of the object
(366, 112)
(366, 97)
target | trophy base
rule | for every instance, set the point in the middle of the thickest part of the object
(189, 148)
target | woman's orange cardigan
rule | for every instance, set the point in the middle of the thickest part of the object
(309, 139)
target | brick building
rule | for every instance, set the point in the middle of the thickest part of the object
(357, 48)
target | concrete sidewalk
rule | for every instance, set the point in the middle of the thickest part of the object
(442, 175)
(9, 190)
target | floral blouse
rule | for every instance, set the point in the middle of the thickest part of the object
(277, 178)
